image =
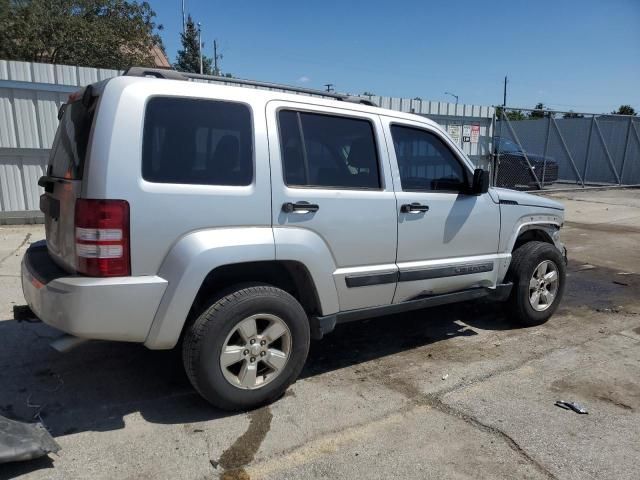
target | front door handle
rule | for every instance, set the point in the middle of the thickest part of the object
(414, 207)
(299, 207)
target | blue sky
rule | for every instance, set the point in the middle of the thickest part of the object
(582, 55)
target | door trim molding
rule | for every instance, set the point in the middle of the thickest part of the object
(369, 280)
(446, 271)
(451, 270)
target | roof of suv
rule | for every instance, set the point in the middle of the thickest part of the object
(273, 91)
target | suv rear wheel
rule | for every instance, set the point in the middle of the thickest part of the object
(247, 347)
(538, 274)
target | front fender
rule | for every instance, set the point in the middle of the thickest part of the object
(530, 222)
(190, 261)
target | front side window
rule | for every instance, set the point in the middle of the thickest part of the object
(328, 151)
(425, 162)
(194, 141)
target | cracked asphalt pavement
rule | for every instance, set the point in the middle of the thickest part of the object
(451, 392)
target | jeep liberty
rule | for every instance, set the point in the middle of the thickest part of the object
(238, 223)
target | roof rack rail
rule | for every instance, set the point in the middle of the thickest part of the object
(176, 75)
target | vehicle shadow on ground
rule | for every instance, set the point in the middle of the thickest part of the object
(96, 386)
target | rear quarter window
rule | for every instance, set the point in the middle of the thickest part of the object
(194, 141)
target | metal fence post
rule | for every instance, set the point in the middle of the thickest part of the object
(626, 147)
(586, 157)
(493, 164)
(546, 144)
(635, 131)
(498, 150)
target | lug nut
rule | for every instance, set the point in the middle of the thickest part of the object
(253, 359)
(262, 354)
(263, 343)
(246, 352)
(252, 341)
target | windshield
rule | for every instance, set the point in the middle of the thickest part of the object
(507, 145)
(71, 142)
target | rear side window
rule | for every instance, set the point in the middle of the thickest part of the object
(72, 139)
(196, 141)
(328, 151)
(425, 162)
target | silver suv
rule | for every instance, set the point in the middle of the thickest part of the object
(239, 223)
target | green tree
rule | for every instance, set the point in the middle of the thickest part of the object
(512, 115)
(572, 114)
(625, 110)
(188, 58)
(96, 33)
(538, 112)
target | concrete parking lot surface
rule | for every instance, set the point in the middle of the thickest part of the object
(455, 392)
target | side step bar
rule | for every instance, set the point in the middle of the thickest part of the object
(326, 324)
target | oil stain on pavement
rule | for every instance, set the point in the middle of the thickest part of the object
(241, 453)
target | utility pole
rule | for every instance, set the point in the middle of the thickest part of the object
(184, 22)
(216, 57)
(504, 98)
(329, 87)
(200, 44)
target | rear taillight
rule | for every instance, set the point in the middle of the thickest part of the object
(102, 238)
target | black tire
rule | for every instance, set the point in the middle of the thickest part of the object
(524, 261)
(205, 337)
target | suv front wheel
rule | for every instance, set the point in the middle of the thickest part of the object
(538, 274)
(247, 347)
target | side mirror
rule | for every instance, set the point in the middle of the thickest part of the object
(480, 182)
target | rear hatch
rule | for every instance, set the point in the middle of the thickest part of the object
(63, 181)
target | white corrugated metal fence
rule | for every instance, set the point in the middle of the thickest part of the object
(31, 94)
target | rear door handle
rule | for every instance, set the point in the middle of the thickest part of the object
(300, 207)
(414, 207)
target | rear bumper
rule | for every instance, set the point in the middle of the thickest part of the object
(117, 308)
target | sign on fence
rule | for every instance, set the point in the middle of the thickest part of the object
(455, 129)
(475, 133)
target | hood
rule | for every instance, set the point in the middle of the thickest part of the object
(535, 158)
(523, 198)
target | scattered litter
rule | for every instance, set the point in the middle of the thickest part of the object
(576, 407)
(624, 284)
(445, 376)
(24, 441)
(601, 330)
(213, 463)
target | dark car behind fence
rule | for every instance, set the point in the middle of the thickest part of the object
(535, 149)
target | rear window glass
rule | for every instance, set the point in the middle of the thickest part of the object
(72, 139)
(196, 141)
(328, 151)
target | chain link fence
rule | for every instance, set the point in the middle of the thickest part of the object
(544, 149)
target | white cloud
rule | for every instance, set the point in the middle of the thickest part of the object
(304, 79)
